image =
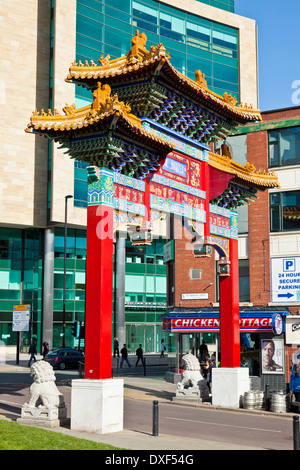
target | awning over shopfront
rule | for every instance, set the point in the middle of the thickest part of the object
(208, 321)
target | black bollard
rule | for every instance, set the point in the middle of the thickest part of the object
(155, 418)
(144, 367)
(296, 435)
(267, 395)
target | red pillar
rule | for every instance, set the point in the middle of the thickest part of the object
(205, 186)
(229, 311)
(99, 275)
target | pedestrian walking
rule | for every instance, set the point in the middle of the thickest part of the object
(139, 353)
(213, 366)
(124, 356)
(116, 347)
(206, 370)
(203, 351)
(32, 352)
(45, 349)
(162, 348)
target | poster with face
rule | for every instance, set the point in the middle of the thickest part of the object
(272, 355)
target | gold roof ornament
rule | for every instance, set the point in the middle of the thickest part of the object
(138, 50)
(228, 98)
(103, 105)
(200, 79)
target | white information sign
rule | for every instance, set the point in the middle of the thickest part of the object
(285, 279)
(21, 318)
(292, 330)
(200, 296)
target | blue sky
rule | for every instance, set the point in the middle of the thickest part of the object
(278, 24)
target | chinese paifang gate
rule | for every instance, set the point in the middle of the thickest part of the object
(147, 137)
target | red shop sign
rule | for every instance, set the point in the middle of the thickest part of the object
(247, 324)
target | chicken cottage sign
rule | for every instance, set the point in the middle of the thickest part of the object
(248, 324)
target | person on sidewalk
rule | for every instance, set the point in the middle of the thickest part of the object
(203, 351)
(32, 352)
(45, 349)
(162, 348)
(116, 347)
(124, 355)
(139, 353)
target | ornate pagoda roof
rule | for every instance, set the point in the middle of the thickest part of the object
(104, 133)
(158, 86)
(108, 132)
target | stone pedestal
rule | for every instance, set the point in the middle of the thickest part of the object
(97, 405)
(229, 386)
(188, 395)
(191, 392)
(44, 417)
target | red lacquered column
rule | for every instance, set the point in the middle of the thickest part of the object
(99, 275)
(229, 311)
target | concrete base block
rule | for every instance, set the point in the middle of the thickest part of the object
(229, 386)
(44, 423)
(97, 405)
(44, 417)
(184, 400)
(191, 392)
(172, 377)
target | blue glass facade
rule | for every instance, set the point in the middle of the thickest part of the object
(21, 266)
(107, 27)
(227, 5)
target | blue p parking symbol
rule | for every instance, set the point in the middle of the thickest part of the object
(289, 265)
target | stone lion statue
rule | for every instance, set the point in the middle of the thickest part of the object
(192, 382)
(43, 391)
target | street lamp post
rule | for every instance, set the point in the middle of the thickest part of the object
(65, 270)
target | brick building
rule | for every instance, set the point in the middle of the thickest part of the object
(269, 246)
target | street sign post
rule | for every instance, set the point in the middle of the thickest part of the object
(285, 278)
(21, 320)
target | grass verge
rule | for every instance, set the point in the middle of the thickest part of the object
(15, 436)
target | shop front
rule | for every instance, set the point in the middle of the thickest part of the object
(262, 340)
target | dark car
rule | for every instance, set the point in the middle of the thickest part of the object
(65, 357)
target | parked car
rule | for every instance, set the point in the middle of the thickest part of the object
(65, 357)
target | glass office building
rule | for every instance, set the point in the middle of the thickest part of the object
(94, 28)
(227, 5)
(21, 272)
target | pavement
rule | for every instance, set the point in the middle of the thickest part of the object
(138, 388)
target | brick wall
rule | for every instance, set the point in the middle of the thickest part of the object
(259, 225)
(259, 217)
(281, 114)
(185, 261)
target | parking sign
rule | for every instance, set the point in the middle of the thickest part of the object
(289, 265)
(285, 277)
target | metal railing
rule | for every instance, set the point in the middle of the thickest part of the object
(151, 366)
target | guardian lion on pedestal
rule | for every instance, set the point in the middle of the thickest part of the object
(192, 384)
(44, 392)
